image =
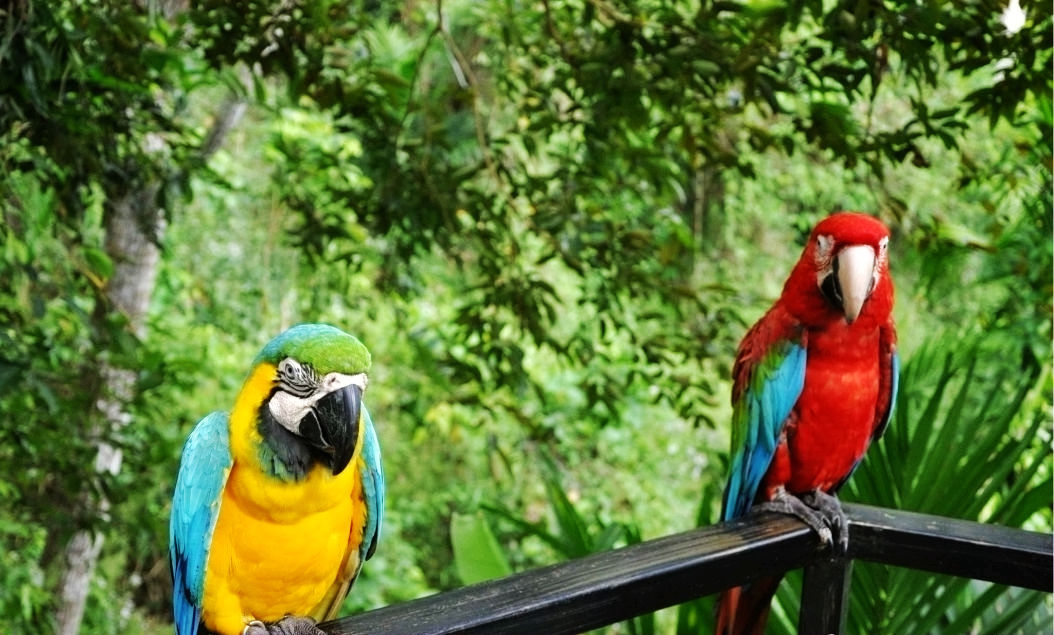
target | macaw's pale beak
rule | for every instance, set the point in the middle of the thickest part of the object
(854, 268)
(851, 280)
(332, 425)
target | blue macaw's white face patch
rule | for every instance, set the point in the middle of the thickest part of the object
(299, 389)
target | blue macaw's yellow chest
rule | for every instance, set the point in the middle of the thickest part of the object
(266, 562)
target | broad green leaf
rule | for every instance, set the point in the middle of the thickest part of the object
(477, 554)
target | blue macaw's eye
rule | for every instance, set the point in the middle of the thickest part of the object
(297, 379)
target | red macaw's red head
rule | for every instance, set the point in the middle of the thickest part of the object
(843, 272)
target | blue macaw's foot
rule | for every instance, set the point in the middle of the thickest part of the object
(288, 625)
(819, 510)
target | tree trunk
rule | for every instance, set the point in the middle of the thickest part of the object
(135, 225)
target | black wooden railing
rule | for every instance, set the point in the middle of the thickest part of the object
(605, 588)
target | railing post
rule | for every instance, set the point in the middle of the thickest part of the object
(825, 596)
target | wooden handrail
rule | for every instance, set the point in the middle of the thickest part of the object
(605, 588)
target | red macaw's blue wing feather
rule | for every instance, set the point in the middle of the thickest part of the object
(769, 379)
(203, 471)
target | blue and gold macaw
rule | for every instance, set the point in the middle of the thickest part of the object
(278, 504)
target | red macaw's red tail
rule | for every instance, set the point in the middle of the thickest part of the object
(744, 610)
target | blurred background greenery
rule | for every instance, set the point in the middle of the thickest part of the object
(551, 223)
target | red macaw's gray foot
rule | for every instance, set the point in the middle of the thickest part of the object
(819, 510)
(831, 509)
(288, 625)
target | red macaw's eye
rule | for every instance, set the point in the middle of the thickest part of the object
(831, 290)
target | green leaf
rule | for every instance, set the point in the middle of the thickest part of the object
(477, 555)
(98, 262)
(573, 530)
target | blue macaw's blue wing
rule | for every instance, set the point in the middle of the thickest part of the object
(372, 488)
(758, 419)
(203, 471)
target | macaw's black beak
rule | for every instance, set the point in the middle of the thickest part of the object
(333, 426)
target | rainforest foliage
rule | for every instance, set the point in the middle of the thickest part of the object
(551, 223)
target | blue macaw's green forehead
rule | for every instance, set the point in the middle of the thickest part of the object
(327, 348)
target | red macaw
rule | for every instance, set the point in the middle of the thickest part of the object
(814, 383)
